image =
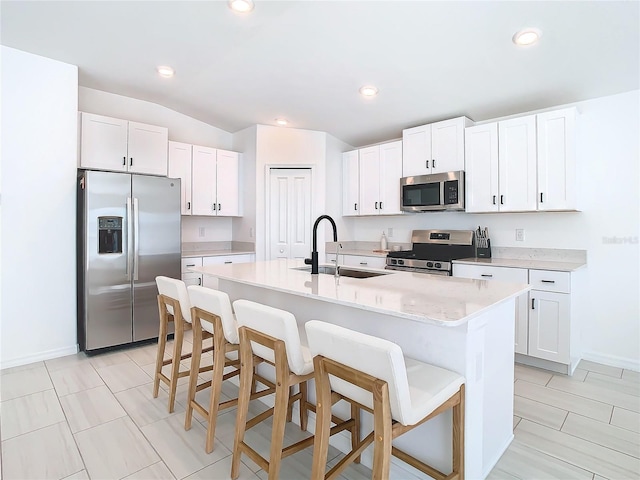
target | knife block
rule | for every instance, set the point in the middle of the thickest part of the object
(484, 252)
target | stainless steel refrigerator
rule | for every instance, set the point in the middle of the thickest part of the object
(128, 233)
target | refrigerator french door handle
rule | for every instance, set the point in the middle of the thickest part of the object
(136, 238)
(129, 239)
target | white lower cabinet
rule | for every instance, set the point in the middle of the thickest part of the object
(362, 261)
(543, 317)
(503, 274)
(193, 278)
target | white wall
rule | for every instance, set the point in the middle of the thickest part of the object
(38, 221)
(244, 227)
(278, 146)
(215, 229)
(608, 185)
(182, 128)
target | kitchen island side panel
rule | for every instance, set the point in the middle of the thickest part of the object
(480, 349)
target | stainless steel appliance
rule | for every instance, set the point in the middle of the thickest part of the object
(128, 233)
(438, 191)
(432, 251)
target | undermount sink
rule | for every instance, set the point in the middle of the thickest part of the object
(343, 272)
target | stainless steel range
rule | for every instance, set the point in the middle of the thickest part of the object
(432, 251)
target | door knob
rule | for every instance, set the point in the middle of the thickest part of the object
(281, 250)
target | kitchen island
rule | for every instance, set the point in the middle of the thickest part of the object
(464, 325)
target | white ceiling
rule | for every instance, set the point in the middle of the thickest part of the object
(305, 60)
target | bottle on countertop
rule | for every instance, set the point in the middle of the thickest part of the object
(383, 242)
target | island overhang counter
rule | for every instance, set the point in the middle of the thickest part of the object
(461, 324)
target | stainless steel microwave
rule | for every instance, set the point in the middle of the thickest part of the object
(438, 191)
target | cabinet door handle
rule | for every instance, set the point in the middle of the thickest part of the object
(501, 199)
(494, 199)
(380, 205)
(200, 281)
(541, 197)
(376, 205)
(229, 261)
(124, 161)
(548, 281)
(427, 164)
(364, 263)
(191, 264)
(533, 304)
(486, 275)
(214, 207)
(131, 161)
(219, 206)
(355, 207)
(433, 164)
(188, 205)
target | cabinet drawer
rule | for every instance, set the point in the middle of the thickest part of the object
(364, 261)
(487, 272)
(221, 259)
(192, 278)
(189, 262)
(550, 281)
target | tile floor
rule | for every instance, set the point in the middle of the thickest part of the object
(80, 417)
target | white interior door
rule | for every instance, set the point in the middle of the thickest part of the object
(289, 213)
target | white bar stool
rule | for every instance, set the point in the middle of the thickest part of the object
(272, 335)
(173, 306)
(402, 393)
(212, 316)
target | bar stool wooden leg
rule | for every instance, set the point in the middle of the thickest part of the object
(246, 379)
(458, 435)
(216, 389)
(382, 431)
(178, 336)
(323, 421)
(304, 413)
(196, 356)
(162, 343)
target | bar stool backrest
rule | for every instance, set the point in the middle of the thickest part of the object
(276, 323)
(177, 290)
(218, 303)
(372, 355)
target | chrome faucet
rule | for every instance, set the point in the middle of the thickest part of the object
(313, 261)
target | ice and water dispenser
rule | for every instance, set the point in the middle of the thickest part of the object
(109, 234)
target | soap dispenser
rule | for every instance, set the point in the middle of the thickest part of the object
(383, 242)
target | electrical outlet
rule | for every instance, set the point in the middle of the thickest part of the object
(519, 234)
(389, 232)
(201, 231)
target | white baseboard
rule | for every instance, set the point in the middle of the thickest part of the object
(38, 357)
(612, 360)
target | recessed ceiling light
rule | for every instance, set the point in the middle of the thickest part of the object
(241, 6)
(165, 71)
(368, 91)
(282, 122)
(527, 37)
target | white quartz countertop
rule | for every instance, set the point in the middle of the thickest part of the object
(213, 253)
(535, 264)
(445, 301)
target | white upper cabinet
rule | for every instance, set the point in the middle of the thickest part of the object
(481, 174)
(390, 174)
(434, 148)
(119, 145)
(215, 178)
(180, 167)
(517, 164)
(557, 160)
(350, 183)
(380, 172)
(523, 164)
(228, 183)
